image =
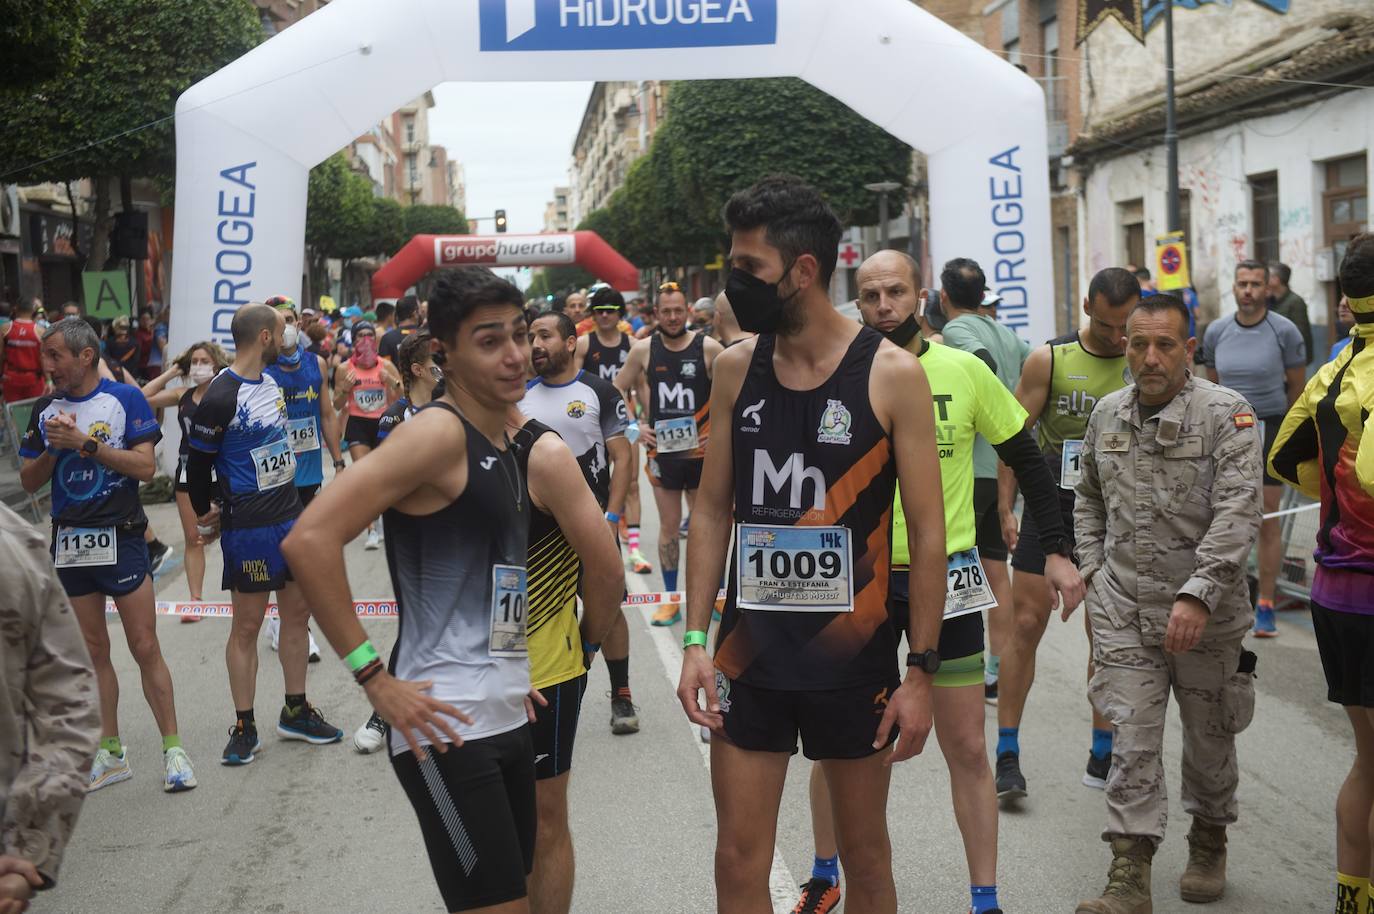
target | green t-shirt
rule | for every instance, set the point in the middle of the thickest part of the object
(972, 332)
(968, 399)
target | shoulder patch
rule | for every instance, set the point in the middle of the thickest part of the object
(1244, 420)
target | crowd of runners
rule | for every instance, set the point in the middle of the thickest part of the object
(796, 453)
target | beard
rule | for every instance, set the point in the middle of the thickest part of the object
(793, 319)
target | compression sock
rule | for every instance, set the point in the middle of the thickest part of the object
(295, 704)
(1008, 740)
(111, 745)
(1102, 743)
(984, 898)
(171, 742)
(247, 717)
(619, 671)
(670, 579)
(992, 664)
(1352, 893)
(632, 537)
(827, 868)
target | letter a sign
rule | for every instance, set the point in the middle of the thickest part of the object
(107, 294)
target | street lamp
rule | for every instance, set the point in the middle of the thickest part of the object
(882, 189)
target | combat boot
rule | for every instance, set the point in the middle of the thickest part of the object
(1205, 878)
(1128, 880)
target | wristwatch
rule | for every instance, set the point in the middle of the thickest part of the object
(926, 661)
(89, 447)
(339, 464)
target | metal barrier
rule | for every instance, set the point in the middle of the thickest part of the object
(1300, 519)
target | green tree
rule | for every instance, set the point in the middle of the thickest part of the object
(434, 220)
(41, 38)
(338, 205)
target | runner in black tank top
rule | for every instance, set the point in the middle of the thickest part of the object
(605, 361)
(679, 388)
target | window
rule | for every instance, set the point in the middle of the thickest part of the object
(1345, 212)
(1011, 32)
(410, 129)
(1264, 219)
(1131, 218)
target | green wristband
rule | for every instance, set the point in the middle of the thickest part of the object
(362, 655)
(691, 638)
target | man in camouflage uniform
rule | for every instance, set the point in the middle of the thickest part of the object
(1167, 511)
(49, 717)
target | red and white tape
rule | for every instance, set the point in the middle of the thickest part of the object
(368, 609)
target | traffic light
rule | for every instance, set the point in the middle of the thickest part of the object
(500, 220)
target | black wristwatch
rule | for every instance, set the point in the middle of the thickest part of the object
(339, 464)
(1058, 546)
(89, 447)
(926, 661)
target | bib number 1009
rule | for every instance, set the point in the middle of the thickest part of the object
(794, 569)
(804, 565)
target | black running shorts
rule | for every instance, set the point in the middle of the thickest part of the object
(476, 809)
(833, 724)
(991, 546)
(308, 493)
(555, 727)
(960, 637)
(1271, 433)
(1345, 642)
(675, 473)
(1029, 557)
(361, 430)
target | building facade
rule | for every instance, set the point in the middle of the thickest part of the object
(617, 126)
(556, 211)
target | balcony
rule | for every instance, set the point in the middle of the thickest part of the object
(1056, 112)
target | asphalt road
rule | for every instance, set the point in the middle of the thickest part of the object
(313, 829)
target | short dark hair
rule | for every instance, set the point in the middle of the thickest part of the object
(1282, 270)
(963, 281)
(1357, 267)
(250, 320)
(414, 350)
(1163, 301)
(459, 292)
(384, 310)
(1252, 265)
(796, 219)
(566, 327)
(1116, 285)
(407, 308)
(606, 296)
(1141, 273)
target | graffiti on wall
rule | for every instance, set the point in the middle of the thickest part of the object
(1154, 9)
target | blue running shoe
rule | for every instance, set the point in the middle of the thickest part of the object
(307, 724)
(243, 743)
(1264, 623)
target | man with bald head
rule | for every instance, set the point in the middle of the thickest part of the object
(726, 329)
(240, 431)
(968, 401)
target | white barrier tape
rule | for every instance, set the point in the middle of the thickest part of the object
(369, 609)
(1298, 510)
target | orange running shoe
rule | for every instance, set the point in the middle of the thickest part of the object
(667, 614)
(639, 563)
(817, 897)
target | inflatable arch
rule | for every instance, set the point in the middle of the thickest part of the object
(248, 134)
(430, 252)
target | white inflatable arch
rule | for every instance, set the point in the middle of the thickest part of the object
(248, 135)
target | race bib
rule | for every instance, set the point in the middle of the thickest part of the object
(304, 435)
(369, 399)
(1071, 464)
(794, 569)
(674, 435)
(966, 587)
(508, 605)
(274, 463)
(80, 546)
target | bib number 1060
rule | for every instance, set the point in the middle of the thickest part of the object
(803, 565)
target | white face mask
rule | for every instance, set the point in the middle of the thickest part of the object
(290, 337)
(199, 374)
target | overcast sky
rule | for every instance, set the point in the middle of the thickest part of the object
(515, 139)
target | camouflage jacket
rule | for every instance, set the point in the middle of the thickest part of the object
(49, 712)
(1170, 505)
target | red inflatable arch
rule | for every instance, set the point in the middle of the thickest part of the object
(430, 252)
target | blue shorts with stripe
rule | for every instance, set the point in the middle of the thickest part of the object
(555, 727)
(253, 562)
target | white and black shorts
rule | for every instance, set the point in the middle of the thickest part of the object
(477, 814)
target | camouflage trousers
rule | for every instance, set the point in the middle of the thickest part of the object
(1130, 687)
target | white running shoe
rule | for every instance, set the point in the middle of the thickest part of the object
(371, 736)
(108, 769)
(314, 648)
(179, 774)
(274, 631)
(374, 539)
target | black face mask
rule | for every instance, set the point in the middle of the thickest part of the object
(758, 306)
(672, 336)
(904, 332)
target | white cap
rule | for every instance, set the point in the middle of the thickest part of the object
(991, 299)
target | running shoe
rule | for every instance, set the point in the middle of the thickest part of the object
(314, 648)
(817, 896)
(374, 540)
(108, 769)
(1098, 769)
(371, 736)
(990, 692)
(682, 529)
(308, 725)
(624, 720)
(705, 734)
(157, 557)
(243, 743)
(667, 614)
(179, 774)
(1011, 784)
(274, 631)
(639, 563)
(1264, 623)
(187, 618)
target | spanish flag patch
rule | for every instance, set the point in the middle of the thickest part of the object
(1244, 420)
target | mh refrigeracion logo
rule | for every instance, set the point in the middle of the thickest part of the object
(618, 25)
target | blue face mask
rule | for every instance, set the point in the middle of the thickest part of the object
(291, 358)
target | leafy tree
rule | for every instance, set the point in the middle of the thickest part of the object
(338, 205)
(383, 230)
(434, 220)
(41, 38)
